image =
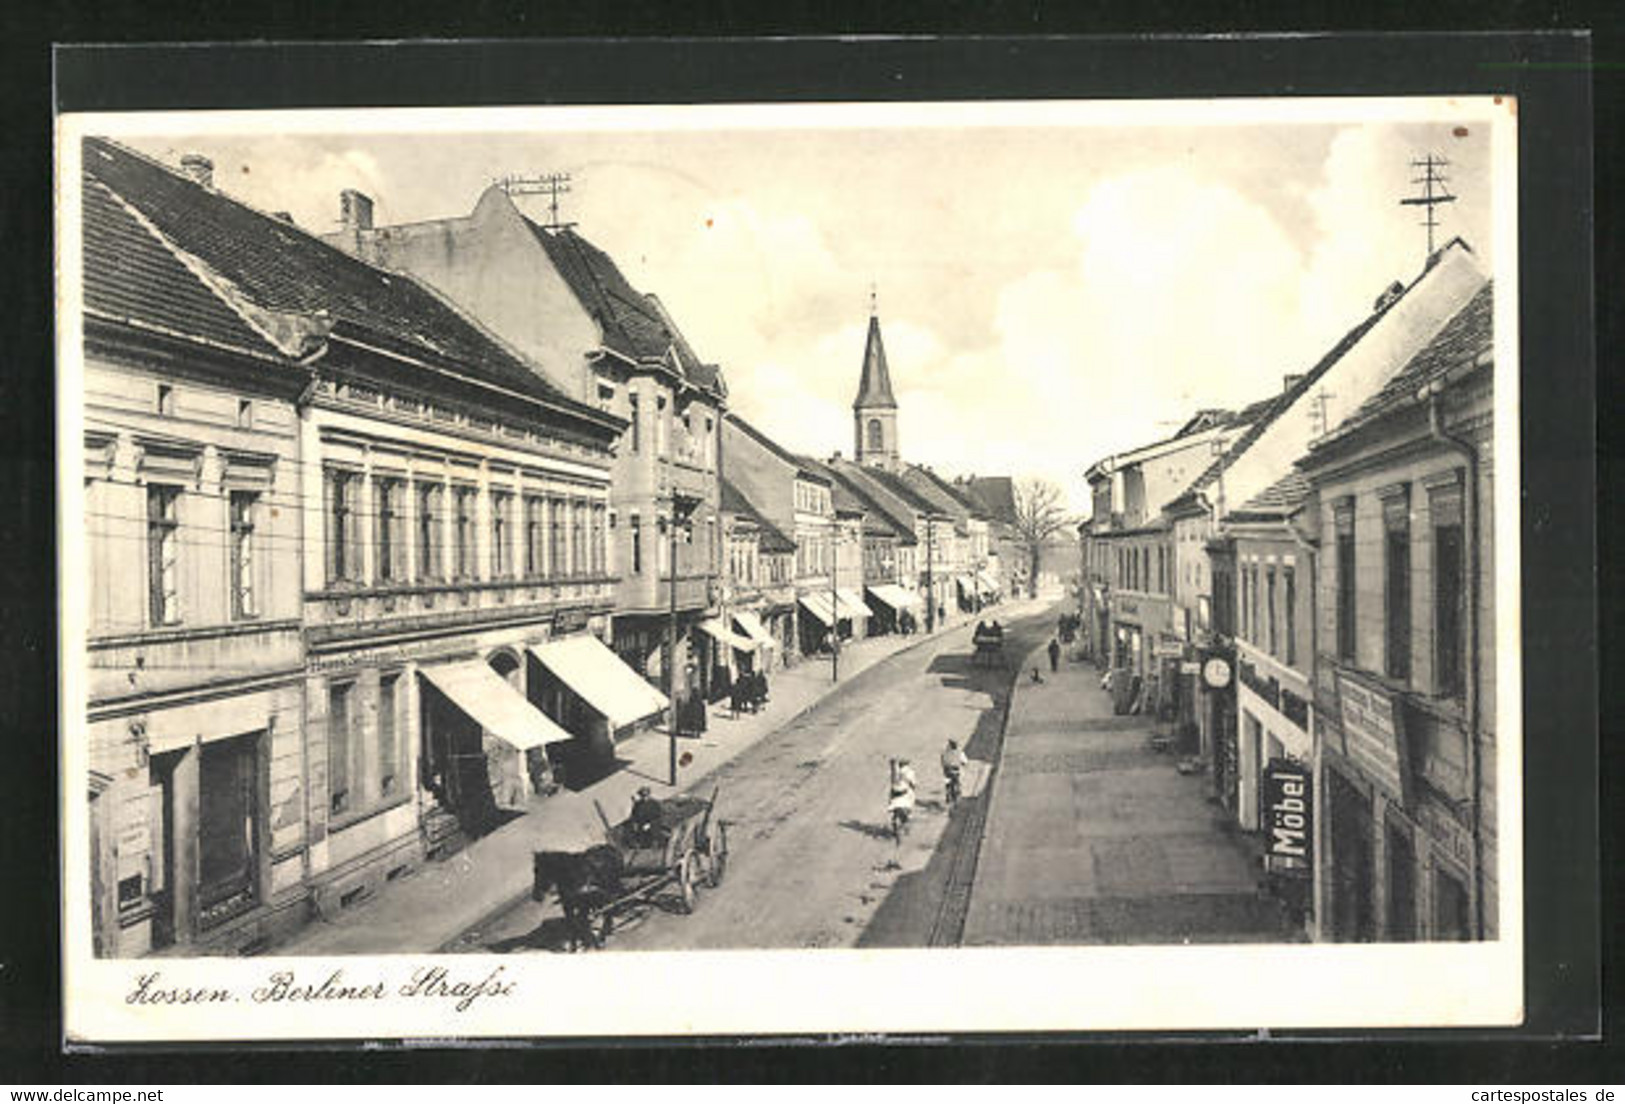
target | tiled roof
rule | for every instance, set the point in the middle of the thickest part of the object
(1467, 336)
(937, 490)
(263, 262)
(879, 517)
(772, 538)
(997, 495)
(840, 495)
(131, 276)
(1279, 499)
(1267, 410)
(896, 486)
(874, 386)
(778, 450)
(636, 325)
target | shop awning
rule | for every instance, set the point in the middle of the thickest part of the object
(818, 605)
(852, 604)
(754, 628)
(716, 630)
(496, 706)
(967, 585)
(895, 596)
(988, 581)
(599, 677)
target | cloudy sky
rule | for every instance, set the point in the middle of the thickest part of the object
(1048, 294)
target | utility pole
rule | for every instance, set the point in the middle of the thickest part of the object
(834, 603)
(1318, 412)
(671, 634)
(1431, 177)
(930, 584)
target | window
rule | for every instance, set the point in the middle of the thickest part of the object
(463, 531)
(389, 540)
(637, 545)
(606, 394)
(1345, 583)
(244, 506)
(1269, 609)
(338, 746)
(555, 538)
(430, 565)
(600, 551)
(1290, 608)
(1401, 887)
(343, 517)
(710, 442)
(245, 414)
(1449, 908)
(389, 752)
(1449, 592)
(163, 554)
(579, 564)
(876, 435)
(660, 426)
(1397, 591)
(166, 400)
(501, 534)
(534, 525)
(663, 551)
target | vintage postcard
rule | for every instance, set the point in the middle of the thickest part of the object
(821, 570)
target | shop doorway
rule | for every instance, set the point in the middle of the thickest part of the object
(455, 770)
(1352, 913)
(1401, 886)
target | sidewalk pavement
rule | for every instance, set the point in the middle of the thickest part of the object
(1093, 837)
(429, 908)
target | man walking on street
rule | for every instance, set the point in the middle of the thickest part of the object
(1054, 654)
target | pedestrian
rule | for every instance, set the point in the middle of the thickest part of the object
(1054, 654)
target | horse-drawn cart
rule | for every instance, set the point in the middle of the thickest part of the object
(635, 870)
(988, 641)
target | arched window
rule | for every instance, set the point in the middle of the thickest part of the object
(876, 435)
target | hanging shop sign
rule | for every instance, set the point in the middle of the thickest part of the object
(1373, 735)
(1289, 817)
(1216, 672)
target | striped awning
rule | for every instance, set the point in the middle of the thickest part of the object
(818, 605)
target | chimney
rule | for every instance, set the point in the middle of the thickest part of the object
(355, 210)
(199, 170)
(1392, 292)
(1291, 380)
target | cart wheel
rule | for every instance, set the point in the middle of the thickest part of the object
(688, 879)
(719, 857)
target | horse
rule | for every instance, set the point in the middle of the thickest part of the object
(585, 881)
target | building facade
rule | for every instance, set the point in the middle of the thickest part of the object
(1404, 693)
(565, 304)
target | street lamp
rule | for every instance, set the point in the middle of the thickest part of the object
(930, 584)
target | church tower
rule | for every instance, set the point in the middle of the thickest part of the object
(874, 411)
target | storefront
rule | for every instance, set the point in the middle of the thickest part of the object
(592, 695)
(894, 608)
(817, 621)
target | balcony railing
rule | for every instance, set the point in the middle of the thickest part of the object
(475, 599)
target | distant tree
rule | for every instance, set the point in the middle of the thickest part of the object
(1039, 516)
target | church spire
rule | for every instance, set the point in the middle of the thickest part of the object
(874, 387)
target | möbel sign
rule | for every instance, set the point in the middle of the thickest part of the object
(1289, 813)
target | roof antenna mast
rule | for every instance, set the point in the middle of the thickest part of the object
(551, 185)
(1431, 177)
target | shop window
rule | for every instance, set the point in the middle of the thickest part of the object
(1345, 583)
(132, 891)
(228, 828)
(1401, 887)
(389, 751)
(1449, 593)
(244, 508)
(1450, 921)
(1397, 591)
(339, 701)
(163, 554)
